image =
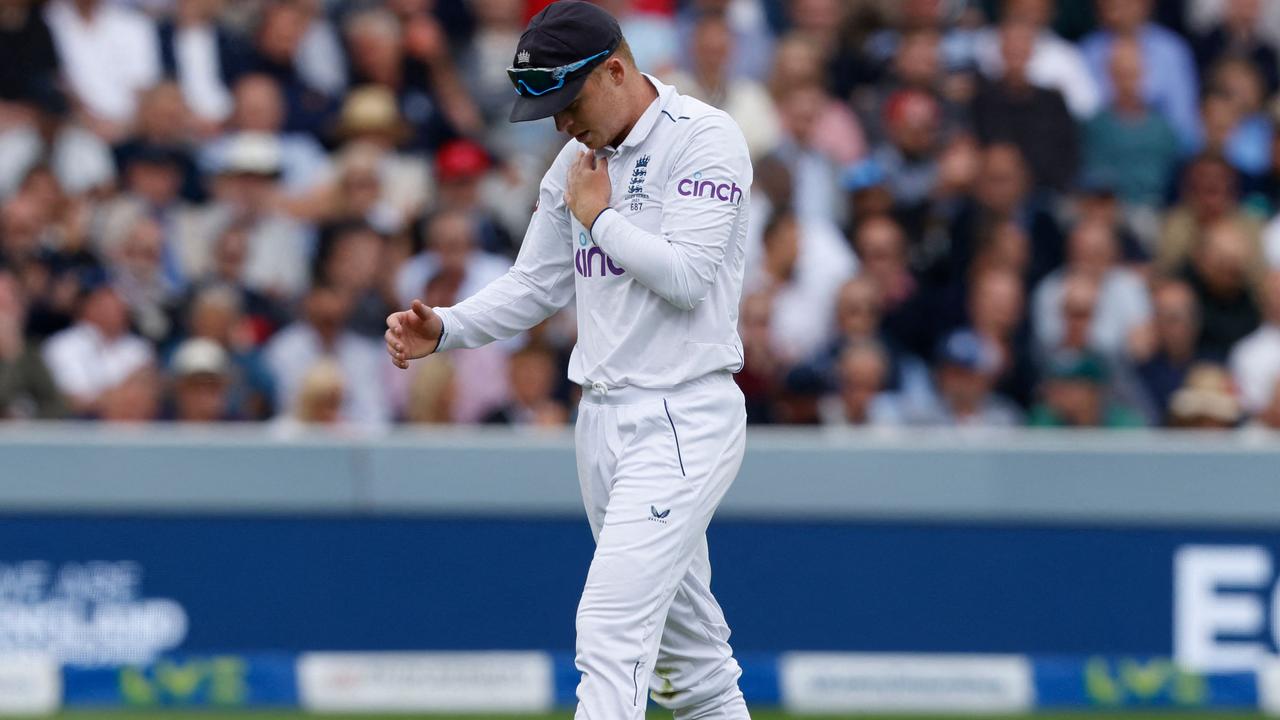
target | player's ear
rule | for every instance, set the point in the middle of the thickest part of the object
(617, 70)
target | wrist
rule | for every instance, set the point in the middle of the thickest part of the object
(595, 218)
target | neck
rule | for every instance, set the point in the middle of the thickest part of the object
(641, 98)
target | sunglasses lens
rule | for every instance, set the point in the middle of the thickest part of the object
(533, 81)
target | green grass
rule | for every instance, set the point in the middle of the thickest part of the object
(755, 715)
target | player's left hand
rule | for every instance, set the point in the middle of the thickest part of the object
(588, 190)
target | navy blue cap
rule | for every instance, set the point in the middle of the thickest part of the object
(564, 33)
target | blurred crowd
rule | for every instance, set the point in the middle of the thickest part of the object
(965, 212)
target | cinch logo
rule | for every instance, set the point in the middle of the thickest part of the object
(584, 261)
(697, 187)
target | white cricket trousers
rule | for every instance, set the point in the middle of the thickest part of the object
(654, 465)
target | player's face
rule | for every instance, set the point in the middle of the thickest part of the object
(591, 119)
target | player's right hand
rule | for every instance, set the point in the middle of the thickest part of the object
(412, 334)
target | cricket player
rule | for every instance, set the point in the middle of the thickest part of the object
(641, 218)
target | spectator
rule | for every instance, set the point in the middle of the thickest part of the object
(752, 39)
(80, 160)
(135, 399)
(1163, 366)
(1209, 196)
(259, 108)
(164, 121)
(907, 318)
(1255, 360)
(462, 167)
(1128, 145)
(97, 353)
(451, 254)
(322, 334)
(1001, 194)
(997, 313)
(1123, 303)
(533, 380)
(320, 402)
(28, 61)
(1035, 119)
(909, 156)
(862, 397)
(804, 263)
(204, 58)
(1074, 395)
(1169, 80)
(709, 79)
(108, 53)
(1219, 275)
(432, 392)
(277, 42)
(1235, 126)
(246, 193)
(1055, 64)
(216, 314)
(1206, 400)
(761, 376)
(201, 382)
(352, 258)
(137, 262)
(966, 366)
(27, 389)
(1239, 34)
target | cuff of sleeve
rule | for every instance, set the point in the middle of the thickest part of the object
(607, 218)
(450, 331)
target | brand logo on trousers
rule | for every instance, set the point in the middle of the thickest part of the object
(659, 517)
(700, 187)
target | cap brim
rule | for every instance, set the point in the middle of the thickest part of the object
(536, 107)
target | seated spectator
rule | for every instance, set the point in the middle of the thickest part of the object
(761, 376)
(709, 79)
(805, 262)
(1239, 33)
(861, 397)
(137, 261)
(909, 155)
(263, 314)
(245, 192)
(135, 399)
(320, 401)
(1074, 395)
(752, 38)
(1206, 400)
(432, 392)
(164, 121)
(410, 59)
(996, 311)
(1237, 94)
(965, 369)
(322, 334)
(461, 168)
(217, 313)
(450, 253)
(1208, 195)
(108, 53)
(28, 59)
(259, 108)
(1001, 194)
(906, 316)
(533, 381)
(1129, 145)
(1169, 83)
(1123, 304)
(204, 57)
(1171, 351)
(1055, 63)
(200, 374)
(81, 161)
(352, 258)
(97, 353)
(277, 46)
(1035, 119)
(27, 389)
(1255, 360)
(1219, 275)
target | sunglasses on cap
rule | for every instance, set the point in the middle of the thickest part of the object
(540, 81)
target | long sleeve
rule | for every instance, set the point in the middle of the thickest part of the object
(539, 284)
(708, 180)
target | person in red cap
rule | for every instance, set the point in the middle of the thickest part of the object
(642, 218)
(461, 167)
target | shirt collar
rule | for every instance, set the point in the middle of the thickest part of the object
(645, 124)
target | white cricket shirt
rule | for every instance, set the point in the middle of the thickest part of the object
(658, 278)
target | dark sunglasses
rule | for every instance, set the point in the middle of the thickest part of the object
(540, 81)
